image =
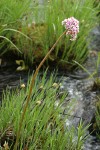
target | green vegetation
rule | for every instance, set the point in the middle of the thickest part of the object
(29, 30)
(97, 116)
(85, 13)
(44, 124)
(11, 15)
(97, 86)
(42, 23)
(97, 79)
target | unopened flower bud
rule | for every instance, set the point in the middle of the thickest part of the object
(56, 85)
(22, 86)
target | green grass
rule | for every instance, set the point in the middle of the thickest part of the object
(56, 11)
(11, 16)
(44, 125)
(97, 118)
(42, 23)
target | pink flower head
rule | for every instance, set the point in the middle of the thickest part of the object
(72, 26)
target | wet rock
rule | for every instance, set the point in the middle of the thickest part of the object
(91, 143)
(95, 43)
(82, 100)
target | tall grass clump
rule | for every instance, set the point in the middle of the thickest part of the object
(12, 15)
(42, 23)
(44, 124)
(46, 27)
(54, 12)
(97, 117)
(85, 12)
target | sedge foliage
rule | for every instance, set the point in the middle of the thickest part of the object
(44, 125)
(41, 21)
(97, 118)
(57, 10)
(11, 15)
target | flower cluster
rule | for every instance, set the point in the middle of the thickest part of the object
(72, 26)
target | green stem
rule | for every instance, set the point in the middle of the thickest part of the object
(31, 87)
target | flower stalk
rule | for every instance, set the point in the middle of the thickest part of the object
(71, 28)
(31, 87)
